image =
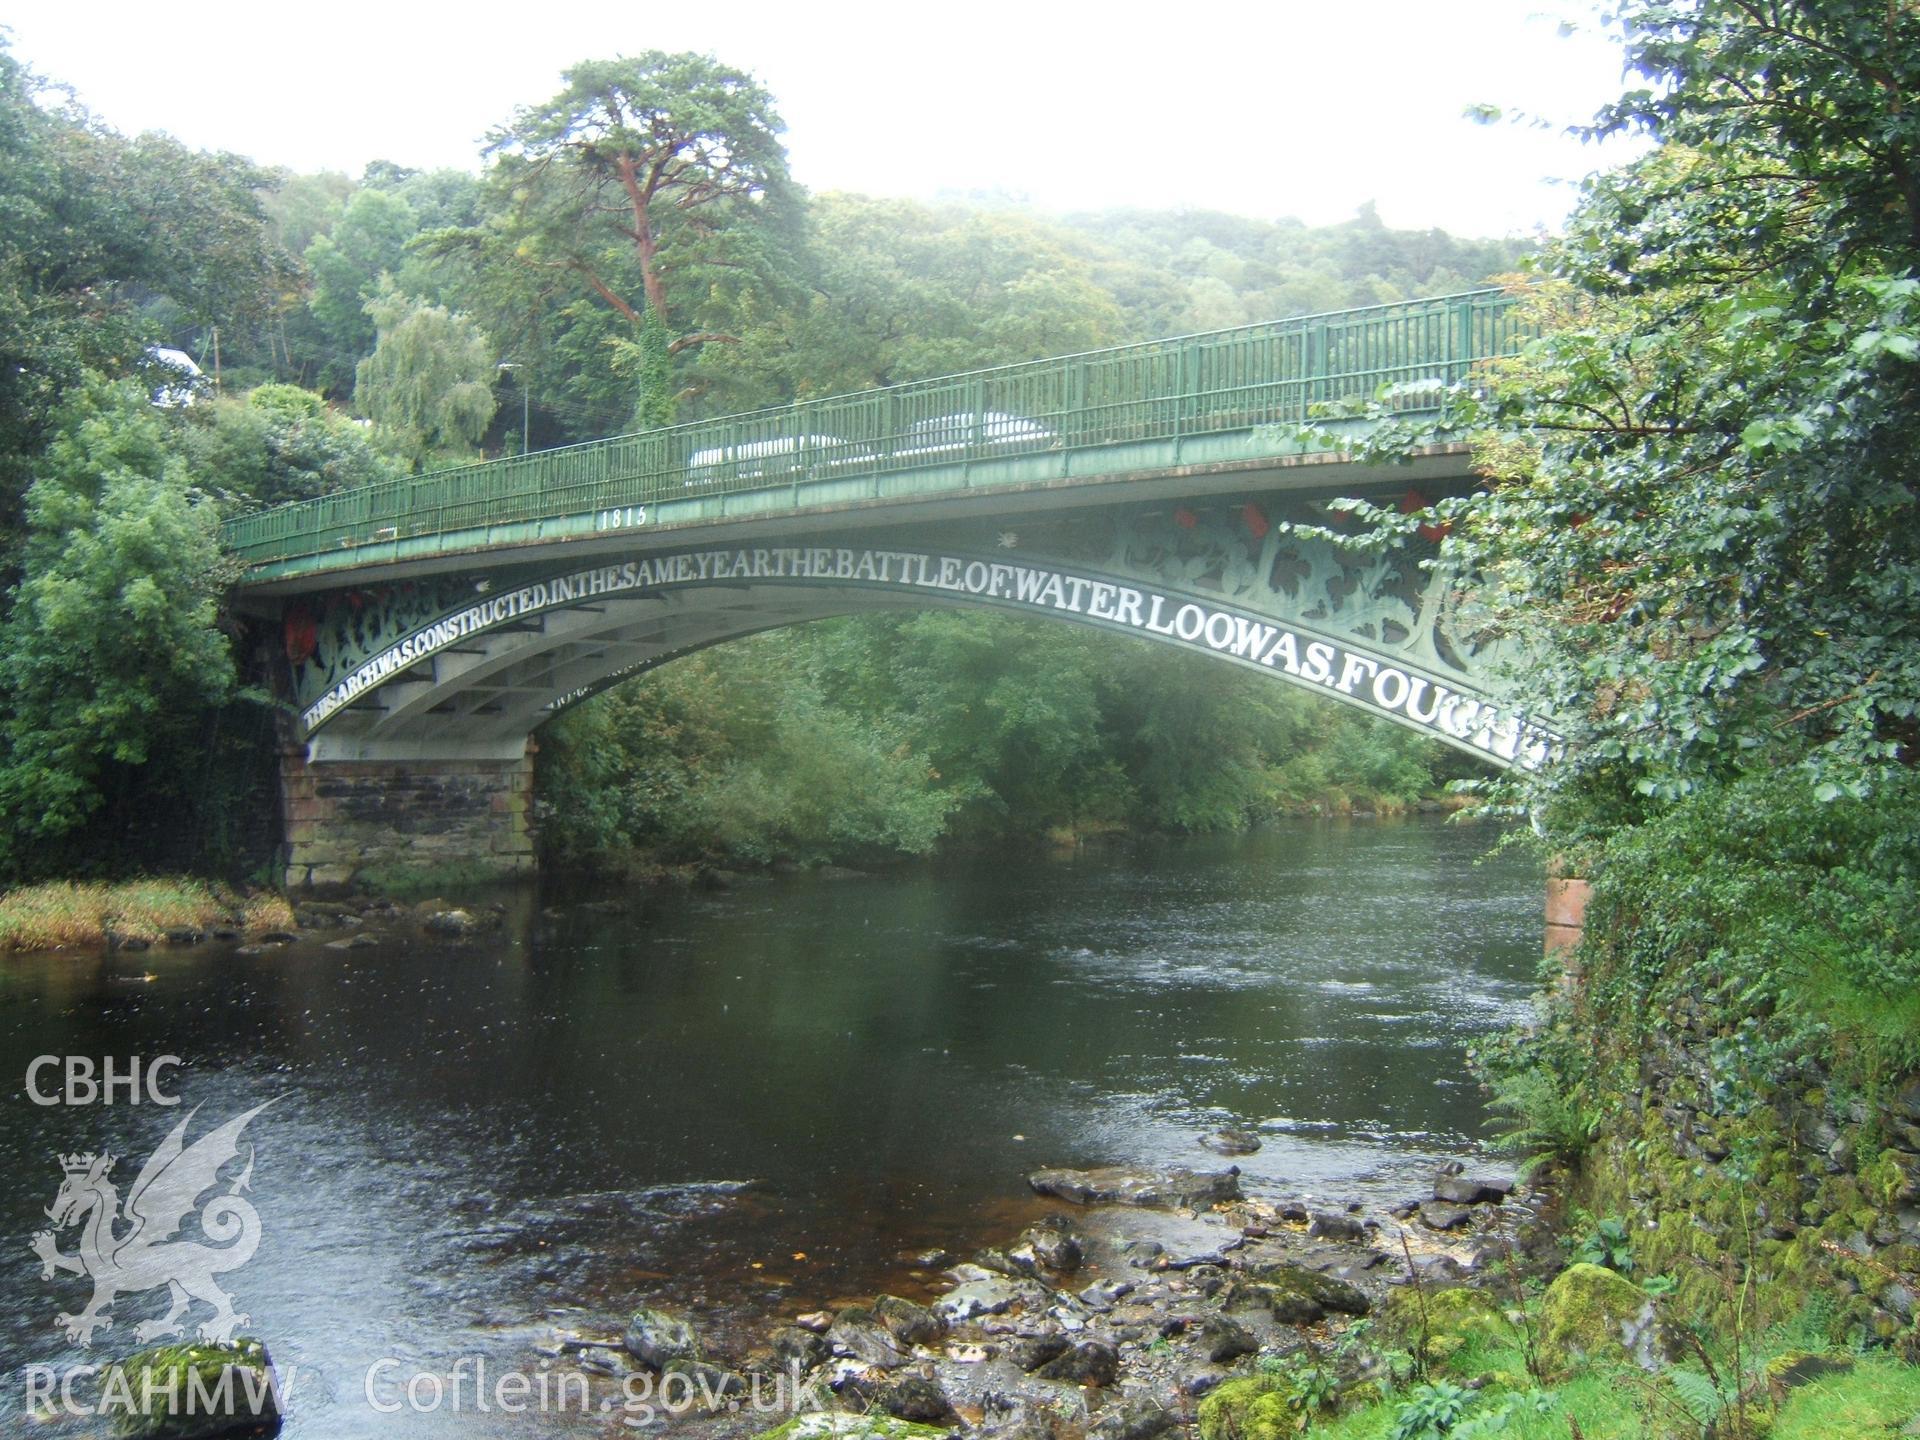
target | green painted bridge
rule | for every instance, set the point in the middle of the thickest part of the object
(1166, 405)
(432, 624)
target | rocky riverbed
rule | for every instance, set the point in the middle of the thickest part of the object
(1112, 1317)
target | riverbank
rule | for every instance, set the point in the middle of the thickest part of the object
(669, 868)
(1155, 1301)
(135, 914)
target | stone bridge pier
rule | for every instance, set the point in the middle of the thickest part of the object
(377, 821)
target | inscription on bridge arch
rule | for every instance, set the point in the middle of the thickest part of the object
(1403, 692)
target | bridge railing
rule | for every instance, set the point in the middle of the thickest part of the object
(1224, 380)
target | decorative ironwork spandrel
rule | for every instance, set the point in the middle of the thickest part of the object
(347, 626)
(1396, 600)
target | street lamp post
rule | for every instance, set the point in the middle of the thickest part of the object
(526, 440)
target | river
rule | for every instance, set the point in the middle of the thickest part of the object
(757, 1101)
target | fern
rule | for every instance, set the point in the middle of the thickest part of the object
(1811, 1328)
(1545, 1121)
(1704, 1400)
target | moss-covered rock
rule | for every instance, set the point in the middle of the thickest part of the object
(1255, 1408)
(838, 1425)
(193, 1392)
(1295, 1295)
(1591, 1313)
(1446, 1322)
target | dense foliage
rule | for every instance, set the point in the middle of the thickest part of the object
(1701, 521)
(123, 735)
(854, 737)
(1700, 526)
(1790, 920)
(98, 231)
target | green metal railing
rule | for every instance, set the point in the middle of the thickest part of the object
(1193, 385)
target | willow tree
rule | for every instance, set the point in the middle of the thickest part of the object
(644, 184)
(429, 382)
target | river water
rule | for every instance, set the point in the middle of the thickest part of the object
(758, 1101)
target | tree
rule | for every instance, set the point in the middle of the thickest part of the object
(346, 264)
(429, 382)
(111, 655)
(645, 181)
(1702, 525)
(894, 291)
(94, 229)
(279, 443)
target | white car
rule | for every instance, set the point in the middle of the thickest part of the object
(773, 460)
(945, 434)
(181, 380)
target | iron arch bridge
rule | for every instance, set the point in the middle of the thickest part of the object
(432, 624)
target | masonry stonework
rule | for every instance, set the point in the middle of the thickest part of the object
(1567, 899)
(353, 820)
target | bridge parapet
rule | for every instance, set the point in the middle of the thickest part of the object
(1227, 395)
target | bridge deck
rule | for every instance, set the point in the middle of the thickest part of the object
(1224, 396)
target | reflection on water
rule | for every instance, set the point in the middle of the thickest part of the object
(474, 1140)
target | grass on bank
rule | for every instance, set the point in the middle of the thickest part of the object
(1556, 1366)
(1877, 1398)
(68, 914)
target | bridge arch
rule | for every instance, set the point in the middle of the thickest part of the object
(474, 678)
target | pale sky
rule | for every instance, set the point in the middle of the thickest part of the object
(1289, 107)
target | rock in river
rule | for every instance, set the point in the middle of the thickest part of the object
(450, 922)
(235, 1374)
(976, 1297)
(1331, 1225)
(916, 1397)
(657, 1339)
(794, 1346)
(1226, 1340)
(860, 1333)
(1458, 1190)
(1231, 1141)
(1128, 1185)
(1294, 1295)
(1050, 1244)
(1133, 1420)
(1438, 1216)
(1091, 1362)
(908, 1323)
(713, 1381)
(1030, 1352)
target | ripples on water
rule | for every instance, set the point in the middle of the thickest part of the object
(474, 1141)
